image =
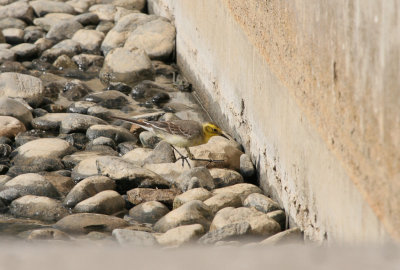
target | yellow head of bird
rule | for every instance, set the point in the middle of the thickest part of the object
(210, 130)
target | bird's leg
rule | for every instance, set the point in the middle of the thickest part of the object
(191, 157)
(182, 157)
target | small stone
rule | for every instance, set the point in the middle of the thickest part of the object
(64, 62)
(290, 236)
(149, 139)
(63, 184)
(261, 224)
(32, 184)
(130, 4)
(63, 30)
(104, 26)
(243, 190)
(20, 9)
(193, 212)
(43, 44)
(84, 223)
(117, 134)
(79, 123)
(87, 188)
(68, 47)
(134, 238)
(10, 126)
(49, 121)
(90, 40)
(261, 203)
(87, 18)
(13, 35)
(279, 216)
(200, 194)
(225, 177)
(8, 195)
(6, 55)
(141, 195)
(169, 171)
(138, 155)
(222, 200)
(85, 61)
(200, 175)
(14, 108)
(126, 147)
(48, 234)
(25, 51)
(32, 34)
(51, 19)
(80, 107)
(181, 235)
(22, 86)
(38, 207)
(226, 233)
(10, 22)
(105, 12)
(110, 99)
(42, 7)
(127, 66)
(246, 166)
(105, 202)
(148, 212)
(75, 90)
(162, 153)
(103, 141)
(127, 175)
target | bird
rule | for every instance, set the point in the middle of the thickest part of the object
(181, 133)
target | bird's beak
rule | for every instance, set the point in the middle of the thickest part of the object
(224, 135)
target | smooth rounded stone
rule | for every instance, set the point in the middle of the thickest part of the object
(10, 126)
(156, 38)
(53, 108)
(222, 200)
(90, 40)
(12, 66)
(149, 139)
(80, 107)
(225, 177)
(45, 148)
(117, 134)
(87, 19)
(243, 190)
(5, 140)
(104, 26)
(87, 188)
(279, 216)
(63, 29)
(68, 47)
(86, 167)
(105, 202)
(8, 195)
(38, 207)
(162, 153)
(49, 121)
(141, 195)
(42, 7)
(79, 123)
(63, 184)
(14, 108)
(181, 235)
(20, 9)
(25, 51)
(261, 202)
(64, 62)
(43, 44)
(200, 194)
(148, 212)
(105, 12)
(246, 166)
(134, 238)
(117, 36)
(193, 212)
(195, 178)
(261, 224)
(32, 34)
(126, 147)
(290, 236)
(104, 141)
(51, 19)
(227, 233)
(77, 140)
(47, 234)
(13, 35)
(6, 55)
(127, 66)
(22, 86)
(121, 12)
(5, 150)
(10, 22)
(32, 184)
(138, 155)
(130, 4)
(4, 179)
(169, 171)
(84, 223)
(72, 160)
(85, 61)
(127, 175)
(74, 90)
(111, 99)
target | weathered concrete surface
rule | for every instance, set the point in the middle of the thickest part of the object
(313, 93)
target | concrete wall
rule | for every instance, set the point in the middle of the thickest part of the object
(312, 90)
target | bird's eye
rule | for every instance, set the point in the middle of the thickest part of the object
(215, 130)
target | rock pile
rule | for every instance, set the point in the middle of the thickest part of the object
(68, 172)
